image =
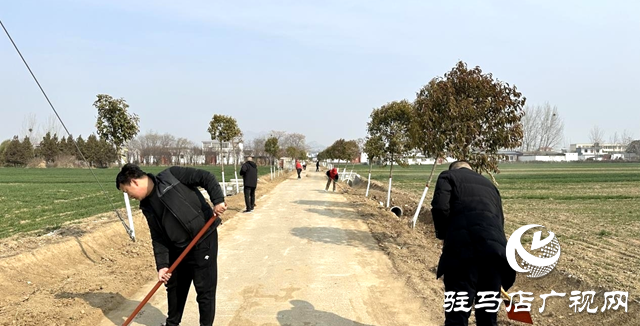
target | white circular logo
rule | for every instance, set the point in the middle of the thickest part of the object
(547, 250)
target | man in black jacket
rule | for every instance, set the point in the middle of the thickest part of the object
(249, 173)
(467, 215)
(176, 211)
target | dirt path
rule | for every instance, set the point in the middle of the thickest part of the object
(303, 257)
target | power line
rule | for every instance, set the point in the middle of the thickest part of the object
(126, 227)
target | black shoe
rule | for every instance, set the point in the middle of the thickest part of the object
(248, 211)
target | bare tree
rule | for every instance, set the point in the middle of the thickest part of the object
(626, 138)
(182, 146)
(195, 153)
(623, 139)
(236, 153)
(530, 128)
(134, 148)
(279, 135)
(29, 128)
(596, 135)
(542, 128)
(167, 146)
(551, 128)
(294, 140)
(52, 126)
(258, 146)
(248, 148)
(149, 147)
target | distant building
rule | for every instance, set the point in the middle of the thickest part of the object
(217, 152)
(587, 151)
(549, 157)
(509, 156)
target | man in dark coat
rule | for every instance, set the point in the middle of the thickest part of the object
(176, 211)
(249, 173)
(467, 215)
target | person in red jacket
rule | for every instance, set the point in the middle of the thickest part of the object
(298, 168)
(332, 175)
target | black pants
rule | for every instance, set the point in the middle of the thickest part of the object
(299, 170)
(250, 197)
(317, 168)
(199, 266)
(473, 278)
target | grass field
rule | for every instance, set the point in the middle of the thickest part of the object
(43, 199)
(601, 194)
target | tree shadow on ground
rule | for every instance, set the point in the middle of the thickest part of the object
(322, 203)
(305, 314)
(334, 213)
(338, 236)
(109, 301)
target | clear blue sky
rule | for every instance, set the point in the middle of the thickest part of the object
(313, 67)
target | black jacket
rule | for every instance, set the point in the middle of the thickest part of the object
(467, 215)
(249, 173)
(176, 187)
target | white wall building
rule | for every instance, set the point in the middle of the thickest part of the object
(559, 157)
(224, 151)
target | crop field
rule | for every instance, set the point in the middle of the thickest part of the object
(41, 200)
(593, 208)
(603, 194)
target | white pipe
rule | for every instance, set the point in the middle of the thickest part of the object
(415, 216)
(126, 202)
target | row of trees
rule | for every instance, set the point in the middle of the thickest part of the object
(343, 150)
(118, 128)
(52, 150)
(280, 144)
(155, 147)
(465, 114)
(597, 136)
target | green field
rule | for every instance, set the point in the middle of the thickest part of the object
(602, 195)
(43, 199)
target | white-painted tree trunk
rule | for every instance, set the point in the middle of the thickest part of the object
(126, 202)
(368, 184)
(415, 216)
(224, 186)
(237, 183)
(389, 193)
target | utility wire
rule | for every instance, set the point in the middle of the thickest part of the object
(126, 227)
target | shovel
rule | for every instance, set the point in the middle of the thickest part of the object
(521, 316)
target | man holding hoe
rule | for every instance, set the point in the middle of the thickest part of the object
(176, 211)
